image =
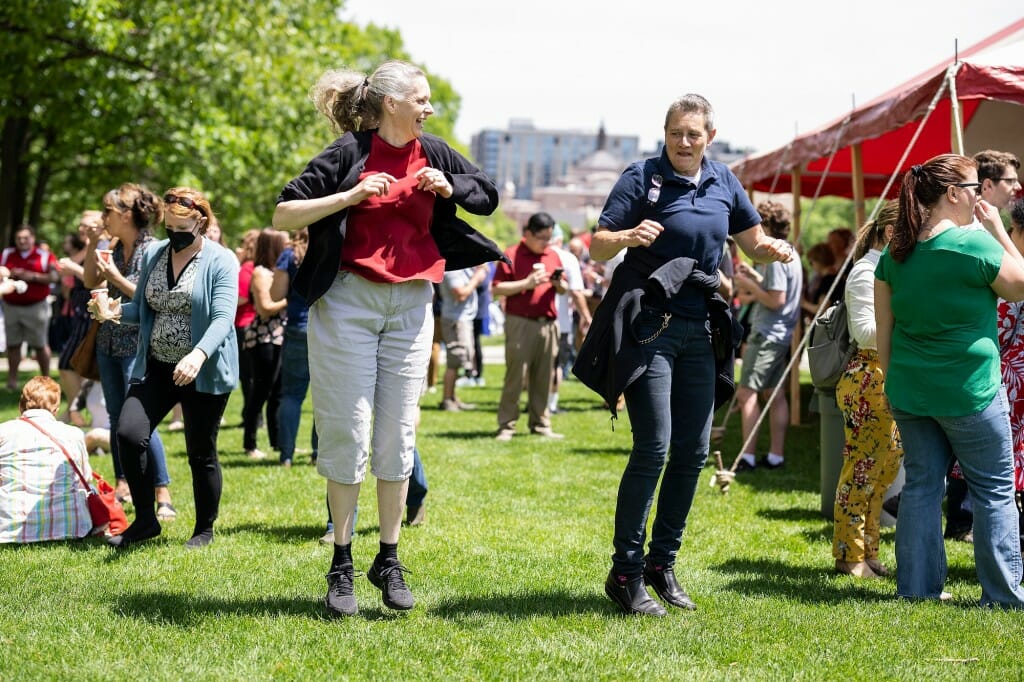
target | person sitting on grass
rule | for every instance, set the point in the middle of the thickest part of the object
(41, 496)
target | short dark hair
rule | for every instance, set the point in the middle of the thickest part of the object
(539, 222)
(992, 164)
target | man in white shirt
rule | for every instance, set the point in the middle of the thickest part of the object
(574, 298)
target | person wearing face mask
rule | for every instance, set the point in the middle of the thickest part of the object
(184, 305)
(113, 257)
(380, 204)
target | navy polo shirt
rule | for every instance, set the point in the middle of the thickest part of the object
(696, 218)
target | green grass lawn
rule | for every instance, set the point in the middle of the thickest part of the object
(507, 572)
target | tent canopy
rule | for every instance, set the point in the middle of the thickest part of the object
(989, 87)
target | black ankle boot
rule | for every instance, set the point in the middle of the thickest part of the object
(663, 580)
(631, 595)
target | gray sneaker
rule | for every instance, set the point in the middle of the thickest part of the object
(341, 597)
(388, 579)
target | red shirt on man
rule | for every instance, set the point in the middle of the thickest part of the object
(38, 260)
(536, 302)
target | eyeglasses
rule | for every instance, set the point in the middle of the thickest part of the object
(976, 186)
(184, 201)
(1012, 181)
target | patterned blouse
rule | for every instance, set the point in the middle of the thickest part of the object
(171, 301)
(1011, 351)
(122, 340)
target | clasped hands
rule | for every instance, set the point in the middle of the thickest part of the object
(427, 179)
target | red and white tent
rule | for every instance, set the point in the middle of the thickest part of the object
(988, 82)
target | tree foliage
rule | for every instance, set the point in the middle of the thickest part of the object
(212, 94)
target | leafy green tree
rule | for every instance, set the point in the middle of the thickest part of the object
(211, 94)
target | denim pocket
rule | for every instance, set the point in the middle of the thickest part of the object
(650, 324)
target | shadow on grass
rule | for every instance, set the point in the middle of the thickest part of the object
(816, 528)
(294, 534)
(466, 435)
(620, 450)
(812, 585)
(797, 583)
(291, 535)
(87, 544)
(189, 610)
(525, 604)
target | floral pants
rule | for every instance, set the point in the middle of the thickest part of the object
(871, 458)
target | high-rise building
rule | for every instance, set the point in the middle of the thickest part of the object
(523, 158)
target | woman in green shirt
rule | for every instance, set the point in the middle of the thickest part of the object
(935, 306)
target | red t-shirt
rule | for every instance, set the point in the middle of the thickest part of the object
(536, 302)
(245, 313)
(387, 239)
(37, 260)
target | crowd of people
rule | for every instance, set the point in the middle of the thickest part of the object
(368, 271)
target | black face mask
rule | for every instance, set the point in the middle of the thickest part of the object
(181, 240)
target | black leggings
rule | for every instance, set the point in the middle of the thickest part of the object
(265, 362)
(146, 406)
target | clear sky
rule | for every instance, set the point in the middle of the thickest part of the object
(771, 69)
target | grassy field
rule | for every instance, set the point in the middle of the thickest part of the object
(507, 572)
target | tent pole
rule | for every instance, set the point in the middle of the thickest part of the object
(956, 113)
(796, 344)
(857, 154)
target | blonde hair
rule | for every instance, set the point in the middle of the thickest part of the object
(353, 101)
(40, 393)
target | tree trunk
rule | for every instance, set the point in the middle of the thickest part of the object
(43, 173)
(13, 145)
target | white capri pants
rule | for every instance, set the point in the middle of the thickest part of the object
(369, 345)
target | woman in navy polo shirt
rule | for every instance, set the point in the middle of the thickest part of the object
(680, 204)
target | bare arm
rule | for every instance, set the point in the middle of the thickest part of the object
(769, 298)
(1009, 283)
(513, 287)
(279, 285)
(298, 213)
(605, 243)
(763, 249)
(265, 306)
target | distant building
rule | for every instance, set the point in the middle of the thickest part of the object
(573, 192)
(529, 158)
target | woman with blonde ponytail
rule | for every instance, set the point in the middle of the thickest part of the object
(380, 206)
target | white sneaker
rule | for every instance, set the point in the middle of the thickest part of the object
(505, 435)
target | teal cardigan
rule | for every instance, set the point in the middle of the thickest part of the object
(214, 301)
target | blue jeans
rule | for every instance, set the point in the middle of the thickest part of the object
(294, 386)
(670, 409)
(115, 374)
(982, 443)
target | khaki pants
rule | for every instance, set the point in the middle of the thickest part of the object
(530, 348)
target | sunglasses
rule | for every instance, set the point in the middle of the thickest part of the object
(184, 201)
(976, 186)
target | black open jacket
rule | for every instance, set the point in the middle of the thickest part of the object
(337, 169)
(611, 358)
